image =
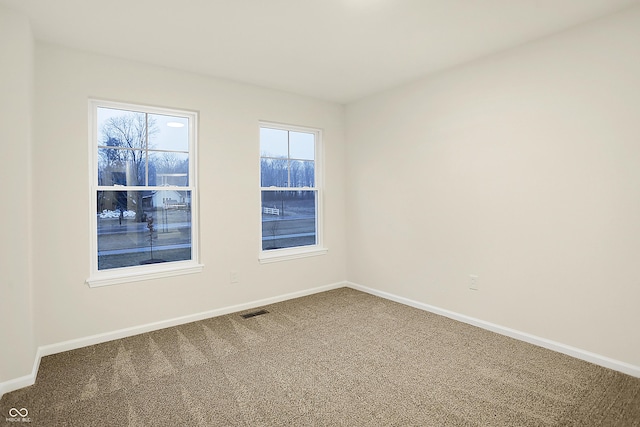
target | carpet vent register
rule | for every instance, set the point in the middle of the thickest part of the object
(254, 314)
(336, 358)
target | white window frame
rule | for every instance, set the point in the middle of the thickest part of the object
(152, 271)
(284, 254)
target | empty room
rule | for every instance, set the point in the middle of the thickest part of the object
(323, 213)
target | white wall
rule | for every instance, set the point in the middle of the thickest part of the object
(17, 347)
(522, 168)
(66, 308)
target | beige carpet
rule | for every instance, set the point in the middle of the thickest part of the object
(339, 358)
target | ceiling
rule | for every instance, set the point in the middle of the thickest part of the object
(337, 50)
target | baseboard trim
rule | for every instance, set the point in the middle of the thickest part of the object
(46, 350)
(27, 380)
(24, 381)
(578, 353)
(135, 330)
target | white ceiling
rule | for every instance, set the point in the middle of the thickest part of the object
(338, 50)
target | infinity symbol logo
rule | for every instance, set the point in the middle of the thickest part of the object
(22, 412)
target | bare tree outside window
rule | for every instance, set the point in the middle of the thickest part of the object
(143, 186)
(288, 187)
(126, 137)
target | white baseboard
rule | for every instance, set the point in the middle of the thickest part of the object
(27, 380)
(24, 381)
(46, 350)
(135, 330)
(588, 356)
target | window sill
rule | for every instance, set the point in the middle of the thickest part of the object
(277, 255)
(136, 274)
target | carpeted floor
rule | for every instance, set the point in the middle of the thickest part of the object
(338, 358)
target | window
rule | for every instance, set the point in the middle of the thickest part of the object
(290, 192)
(143, 190)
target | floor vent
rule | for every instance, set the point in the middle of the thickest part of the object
(254, 314)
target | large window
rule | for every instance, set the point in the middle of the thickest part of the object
(290, 192)
(143, 191)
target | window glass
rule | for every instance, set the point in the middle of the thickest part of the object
(168, 133)
(121, 167)
(143, 227)
(302, 145)
(121, 128)
(274, 172)
(274, 143)
(169, 168)
(302, 173)
(152, 222)
(289, 192)
(288, 219)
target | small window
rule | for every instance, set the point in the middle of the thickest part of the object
(144, 192)
(290, 192)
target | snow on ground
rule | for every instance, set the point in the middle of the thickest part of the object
(116, 214)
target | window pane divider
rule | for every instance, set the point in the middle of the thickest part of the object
(138, 269)
(142, 188)
(288, 188)
(151, 150)
(272, 170)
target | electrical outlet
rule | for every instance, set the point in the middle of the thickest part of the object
(473, 282)
(233, 277)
